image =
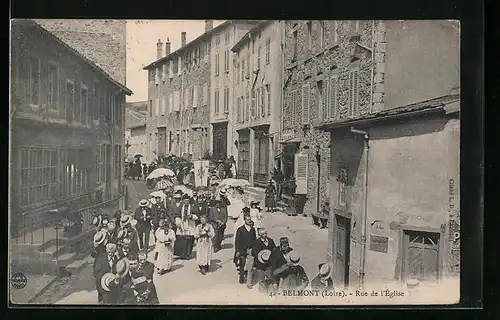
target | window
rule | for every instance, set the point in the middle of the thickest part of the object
(226, 61)
(205, 94)
(334, 32)
(309, 34)
(238, 73)
(320, 101)
(53, 85)
(257, 103)
(179, 66)
(157, 106)
(185, 101)
(195, 96)
(217, 41)
(342, 189)
(84, 104)
(163, 105)
(332, 103)
(217, 64)
(216, 104)
(247, 108)
(297, 104)
(248, 68)
(70, 101)
(268, 87)
(252, 107)
(227, 37)
(238, 110)
(268, 51)
(226, 100)
(177, 101)
(34, 81)
(97, 100)
(242, 70)
(39, 179)
(262, 103)
(306, 94)
(258, 58)
(421, 255)
(164, 72)
(353, 93)
(294, 44)
(170, 102)
(150, 107)
(322, 34)
(100, 161)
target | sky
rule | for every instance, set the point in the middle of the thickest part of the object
(142, 36)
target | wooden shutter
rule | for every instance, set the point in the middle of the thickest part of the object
(323, 108)
(353, 93)
(306, 95)
(301, 168)
(176, 101)
(332, 97)
(298, 106)
(195, 96)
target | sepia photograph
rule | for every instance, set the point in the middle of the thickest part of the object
(234, 162)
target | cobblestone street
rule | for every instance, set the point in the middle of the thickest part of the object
(185, 285)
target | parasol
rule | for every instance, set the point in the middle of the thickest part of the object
(164, 184)
(161, 172)
(138, 156)
(230, 182)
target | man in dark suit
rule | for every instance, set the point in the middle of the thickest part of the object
(244, 242)
(103, 264)
(144, 219)
(174, 209)
(279, 261)
(156, 209)
(217, 217)
(263, 242)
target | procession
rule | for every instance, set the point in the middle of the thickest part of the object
(178, 223)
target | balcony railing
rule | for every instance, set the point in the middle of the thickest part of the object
(64, 228)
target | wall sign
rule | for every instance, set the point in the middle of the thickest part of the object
(379, 243)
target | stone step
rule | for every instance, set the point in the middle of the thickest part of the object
(77, 265)
(65, 259)
(55, 251)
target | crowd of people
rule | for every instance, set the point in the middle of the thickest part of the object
(179, 222)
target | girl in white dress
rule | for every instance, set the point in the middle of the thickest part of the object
(204, 234)
(164, 249)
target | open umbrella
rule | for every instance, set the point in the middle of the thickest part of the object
(158, 194)
(164, 184)
(138, 156)
(161, 172)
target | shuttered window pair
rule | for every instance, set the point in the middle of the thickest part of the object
(301, 173)
(327, 106)
(353, 106)
(306, 103)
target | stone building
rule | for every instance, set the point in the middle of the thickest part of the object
(222, 100)
(391, 120)
(181, 94)
(135, 133)
(67, 137)
(257, 86)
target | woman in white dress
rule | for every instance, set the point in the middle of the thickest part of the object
(237, 204)
(164, 249)
(256, 215)
(204, 234)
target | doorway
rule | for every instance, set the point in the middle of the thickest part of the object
(341, 250)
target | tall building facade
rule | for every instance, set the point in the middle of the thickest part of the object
(374, 106)
(257, 83)
(182, 101)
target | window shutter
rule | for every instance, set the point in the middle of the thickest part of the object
(205, 94)
(305, 103)
(195, 96)
(297, 106)
(301, 168)
(170, 103)
(323, 108)
(332, 97)
(355, 86)
(176, 101)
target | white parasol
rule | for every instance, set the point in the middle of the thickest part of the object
(161, 172)
(158, 194)
(230, 182)
(164, 184)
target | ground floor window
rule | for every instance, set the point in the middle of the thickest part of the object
(39, 179)
(421, 256)
(243, 156)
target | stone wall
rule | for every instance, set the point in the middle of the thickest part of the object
(314, 62)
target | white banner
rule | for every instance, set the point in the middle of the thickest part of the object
(201, 173)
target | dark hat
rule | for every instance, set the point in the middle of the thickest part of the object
(284, 240)
(246, 210)
(185, 196)
(178, 192)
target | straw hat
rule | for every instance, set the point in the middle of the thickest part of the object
(178, 194)
(99, 238)
(325, 271)
(122, 268)
(143, 203)
(294, 257)
(125, 220)
(264, 256)
(106, 280)
(222, 192)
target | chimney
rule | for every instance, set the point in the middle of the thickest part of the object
(183, 38)
(158, 49)
(167, 47)
(209, 25)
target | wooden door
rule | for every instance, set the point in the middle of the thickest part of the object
(421, 258)
(341, 251)
(220, 141)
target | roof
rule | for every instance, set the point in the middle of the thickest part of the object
(196, 40)
(134, 119)
(248, 36)
(93, 65)
(420, 108)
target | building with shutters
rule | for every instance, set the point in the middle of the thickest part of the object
(374, 106)
(257, 87)
(180, 94)
(135, 133)
(222, 76)
(67, 138)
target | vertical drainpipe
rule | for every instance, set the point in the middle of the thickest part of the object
(282, 85)
(367, 153)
